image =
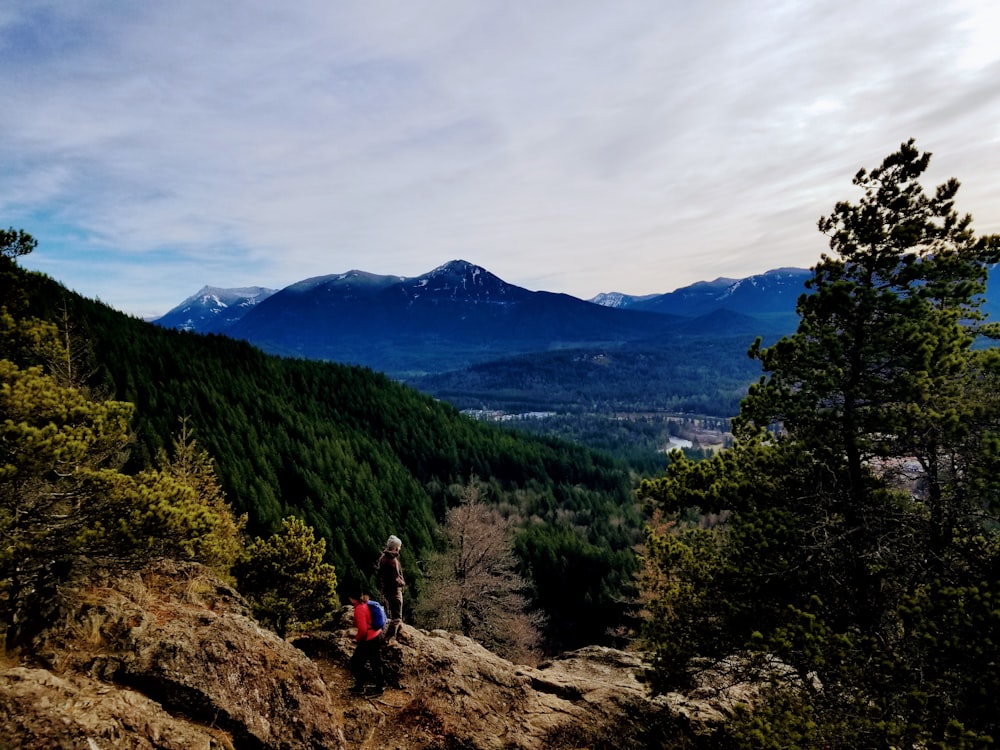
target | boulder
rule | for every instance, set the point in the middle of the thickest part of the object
(186, 641)
(39, 709)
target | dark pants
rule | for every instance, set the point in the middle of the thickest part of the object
(394, 603)
(367, 653)
(394, 611)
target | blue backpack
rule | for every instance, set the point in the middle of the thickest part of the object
(378, 614)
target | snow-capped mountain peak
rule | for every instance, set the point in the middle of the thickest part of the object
(213, 309)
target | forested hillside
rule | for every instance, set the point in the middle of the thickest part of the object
(684, 374)
(845, 551)
(356, 455)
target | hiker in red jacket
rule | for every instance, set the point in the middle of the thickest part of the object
(368, 650)
(391, 584)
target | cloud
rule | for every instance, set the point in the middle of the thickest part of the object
(579, 147)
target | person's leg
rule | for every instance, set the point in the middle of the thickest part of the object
(357, 667)
(393, 604)
(394, 612)
(398, 606)
(375, 661)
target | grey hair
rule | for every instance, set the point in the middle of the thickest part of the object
(394, 543)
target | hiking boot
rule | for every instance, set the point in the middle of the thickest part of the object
(391, 630)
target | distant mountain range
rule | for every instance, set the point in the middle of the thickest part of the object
(461, 314)
(770, 295)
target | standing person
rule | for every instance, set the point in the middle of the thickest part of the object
(391, 583)
(368, 651)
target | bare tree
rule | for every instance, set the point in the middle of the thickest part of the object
(473, 587)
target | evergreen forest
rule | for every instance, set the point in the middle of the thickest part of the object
(682, 374)
(356, 456)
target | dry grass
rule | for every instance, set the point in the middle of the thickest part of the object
(90, 627)
(195, 589)
(8, 659)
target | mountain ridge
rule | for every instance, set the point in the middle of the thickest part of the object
(456, 315)
(702, 292)
(460, 314)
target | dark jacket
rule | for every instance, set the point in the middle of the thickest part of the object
(390, 572)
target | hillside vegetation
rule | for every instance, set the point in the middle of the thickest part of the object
(681, 374)
(355, 455)
(850, 539)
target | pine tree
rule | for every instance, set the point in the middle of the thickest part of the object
(193, 467)
(53, 443)
(16, 242)
(286, 580)
(859, 497)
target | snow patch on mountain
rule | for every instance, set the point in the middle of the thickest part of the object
(619, 300)
(212, 309)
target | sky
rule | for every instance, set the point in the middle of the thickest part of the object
(578, 147)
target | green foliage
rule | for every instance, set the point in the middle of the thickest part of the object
(785, 722)
(28, 341)
(951, 642)
(63, 495)
(856, 528)
(589, 586)
(723, 559)
(353, 454)
(683, 373)
(53, 442)
(62, 491)
(16, 242)
(192, 467)
(677, 581)
(177, 510)
(286, 581)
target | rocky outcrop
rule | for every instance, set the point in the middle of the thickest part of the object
(39, 709)
(170, 658)
(456, 694)
(185, 641)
